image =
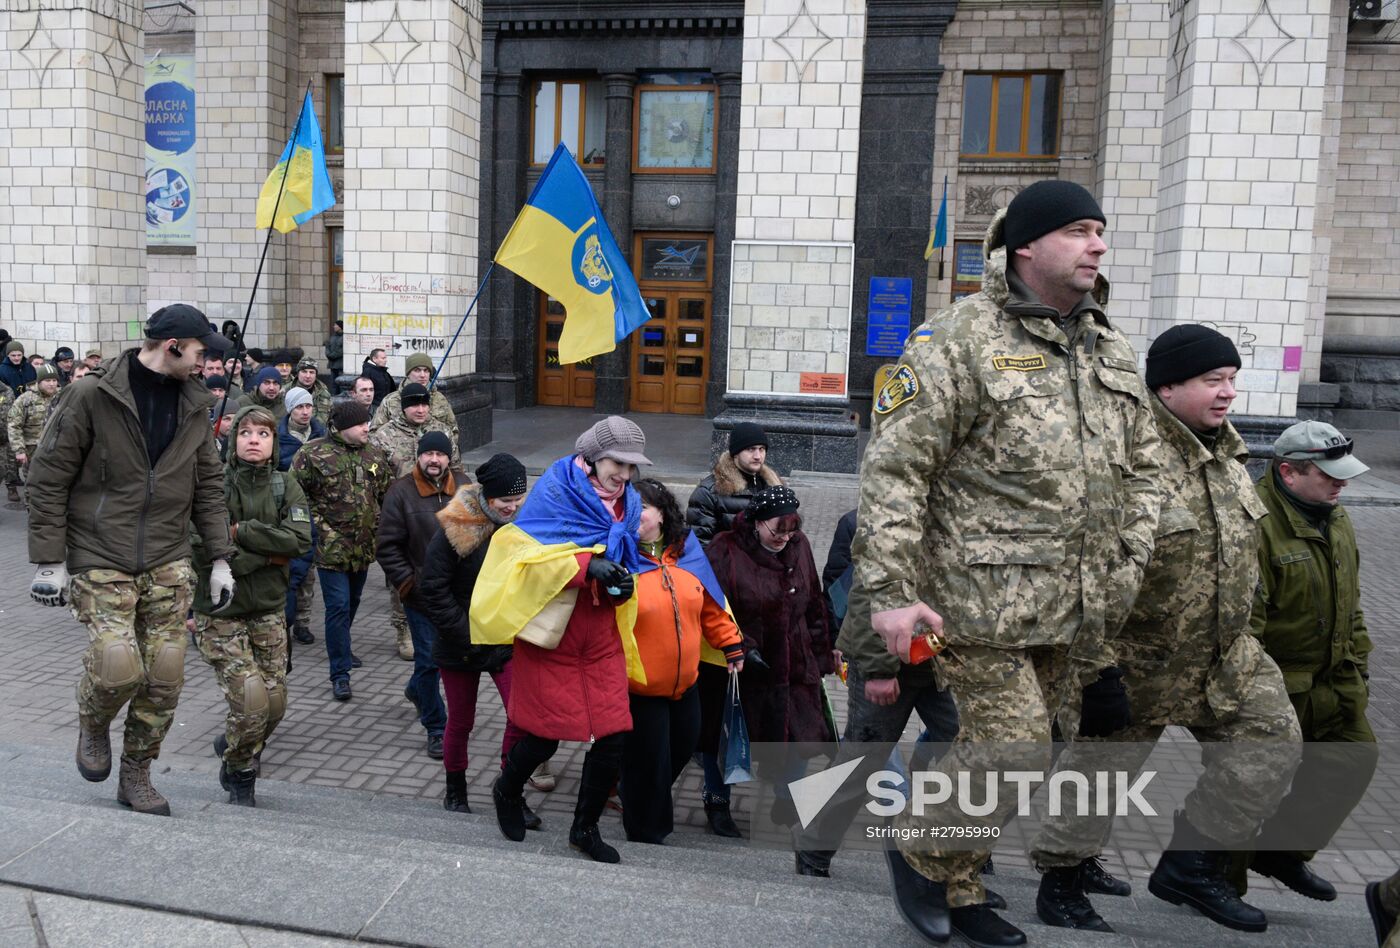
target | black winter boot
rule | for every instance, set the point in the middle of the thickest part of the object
(508, 794)
(1061, 901)
(814, 862)
(1192, 872)
(587, 840)
(921, 902)
(240, 787)
(981, 926)
(532, 819)
(1098, 879)
(719, 821)
(454, 798)
(1293, 871)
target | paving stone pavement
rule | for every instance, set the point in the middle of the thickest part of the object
(374, 743)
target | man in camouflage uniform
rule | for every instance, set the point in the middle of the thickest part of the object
(247, 644)
(344, 478)
(8, 468)
(417, 368)
(27, 416)
(1009, 486)
(399, 440)
(308, 377)
(1187, 658)
(127, 461)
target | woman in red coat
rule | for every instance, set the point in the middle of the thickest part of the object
(577, 691)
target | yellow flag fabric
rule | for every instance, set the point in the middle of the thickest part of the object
(308, 189)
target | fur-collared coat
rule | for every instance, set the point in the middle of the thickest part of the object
(445, 584)
(720, 497)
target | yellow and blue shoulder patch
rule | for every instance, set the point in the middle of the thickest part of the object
(922, 335)
(1031, 363)
(901, 387)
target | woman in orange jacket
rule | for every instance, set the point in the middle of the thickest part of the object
(673, 613)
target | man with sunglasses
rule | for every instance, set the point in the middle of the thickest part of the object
(1307, 612)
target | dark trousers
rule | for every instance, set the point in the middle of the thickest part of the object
(341, 593)
(655, 752)
(601, 766)
(423, 684)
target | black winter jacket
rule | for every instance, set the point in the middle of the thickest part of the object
(383, 382)
(721, 496)
(446, 582)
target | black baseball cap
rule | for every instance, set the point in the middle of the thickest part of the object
(182, 321)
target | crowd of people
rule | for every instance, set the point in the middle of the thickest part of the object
(1083, 543)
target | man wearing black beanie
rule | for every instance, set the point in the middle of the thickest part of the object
(1008, 492)
(1188, 657)
(739, 473)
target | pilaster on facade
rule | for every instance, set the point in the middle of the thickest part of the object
(72, 166)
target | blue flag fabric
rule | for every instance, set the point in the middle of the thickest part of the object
(939, 238)
(563, 507)
(300, 177)
(694, 561)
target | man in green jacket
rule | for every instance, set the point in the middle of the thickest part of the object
(247, 644)
(127, 460)
(1307, 612)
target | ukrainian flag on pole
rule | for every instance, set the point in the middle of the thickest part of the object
(308, 189)
(562, 245)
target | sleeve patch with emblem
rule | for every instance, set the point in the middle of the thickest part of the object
(300, 515)
(1032, 363)
(902, 386)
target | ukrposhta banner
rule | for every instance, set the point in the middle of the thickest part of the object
(170, 150)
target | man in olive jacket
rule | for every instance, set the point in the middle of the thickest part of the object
(1307, 612)
(128, 461)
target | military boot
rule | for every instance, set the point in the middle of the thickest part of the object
(1062, 902)
(240, 787)
(94, 751)
(13, 492)
(1192, 872)
(135, 790)
(405, 643)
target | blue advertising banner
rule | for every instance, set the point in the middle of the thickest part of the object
(170, 150)
(887, 320)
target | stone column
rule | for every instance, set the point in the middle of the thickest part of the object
(726, 193)
(72, 158)
(610, 369)
(507, 338)
(790, 303)
(1239, 187)
(412, 153)
(247, 108)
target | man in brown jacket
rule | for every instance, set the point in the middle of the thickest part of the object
(128, 460)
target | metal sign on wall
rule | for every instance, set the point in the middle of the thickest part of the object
(170, 150)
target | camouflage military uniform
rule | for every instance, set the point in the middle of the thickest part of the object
(249, 656)
(136, 627)
(1009, 485)
(399, 440)
(26, 424)
(320, 401)
(8, 468)
(439, 409)
(1188, 657)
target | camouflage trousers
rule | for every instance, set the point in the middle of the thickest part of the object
(249, 657)
(1006, 700)
(1247, 759)
(396, 616)
(136, 650)
(9, 467)
(306, 595)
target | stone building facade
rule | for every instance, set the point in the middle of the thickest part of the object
(771, 168)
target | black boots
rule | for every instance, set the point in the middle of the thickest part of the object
(921, 902)
(1098, 879)
(719, 821)
(1061, 901)
(587, 840)
(510, 809)
(980, 925)
(1294, 872)
(814, 862)
(1192, 872)
(600, 770)
(240, 787)
(454, 798)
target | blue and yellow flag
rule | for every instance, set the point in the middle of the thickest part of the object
(531, 559)
(562, 245)
(694, 561)
(939, 238)
(308, 189)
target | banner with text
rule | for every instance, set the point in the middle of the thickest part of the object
(170, 150)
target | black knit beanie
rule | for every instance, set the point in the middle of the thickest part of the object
(1044, 207)
(1186, 351)
(775, 500)
(349, 414)
(435, 441)
(746, 434)
(501, 476)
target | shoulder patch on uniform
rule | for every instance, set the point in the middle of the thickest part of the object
(300, 515)
(922, 335)
(1123, 364)
(902, 386)
(1297, 556)
(1019, 363)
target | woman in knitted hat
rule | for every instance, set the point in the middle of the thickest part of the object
(765, 566)
(445, 585)
(555, 582)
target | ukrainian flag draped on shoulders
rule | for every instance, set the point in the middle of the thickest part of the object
(694, 561)
(532, 558)
(561, 244)
(307, 191)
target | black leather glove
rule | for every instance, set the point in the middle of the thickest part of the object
(755, 657)
(1105, 709)
(611, 576)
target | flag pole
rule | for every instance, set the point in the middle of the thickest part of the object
(257, 277)
(432, 382)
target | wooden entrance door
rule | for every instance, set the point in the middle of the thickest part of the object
(671, 352)
(567, 385)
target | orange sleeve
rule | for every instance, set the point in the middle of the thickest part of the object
(719, 630)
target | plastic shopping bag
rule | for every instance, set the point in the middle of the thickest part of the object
(735, 756)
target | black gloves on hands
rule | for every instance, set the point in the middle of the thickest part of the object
(1105, 709)
(611, 576)
(755, 658)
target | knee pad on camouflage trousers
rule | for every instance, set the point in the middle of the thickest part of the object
(167, 673)
(276, 702)
(255, 697)
(118, 665)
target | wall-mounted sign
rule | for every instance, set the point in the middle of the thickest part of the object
(170, 150)
(822, 383)
(675, 260)
(887, 315)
